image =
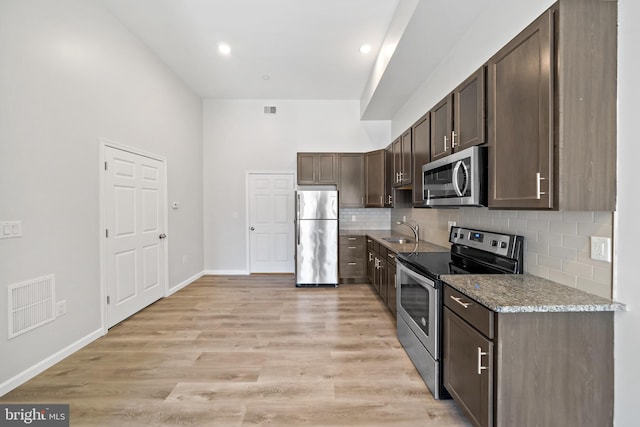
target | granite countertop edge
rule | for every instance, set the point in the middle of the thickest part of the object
(528, 294)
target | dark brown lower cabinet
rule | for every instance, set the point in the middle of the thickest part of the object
(528, 368)
(468, 375)
(352, 261)
(391, 283)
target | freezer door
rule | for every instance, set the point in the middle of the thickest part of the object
(317, 252)
(317, 205)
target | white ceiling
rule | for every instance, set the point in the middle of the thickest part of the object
(300, 49)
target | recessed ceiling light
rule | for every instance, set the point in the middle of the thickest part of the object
(224, 48)
(365, 48)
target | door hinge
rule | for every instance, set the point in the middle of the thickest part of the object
(106, 233)
(105, 165)
(108, 299)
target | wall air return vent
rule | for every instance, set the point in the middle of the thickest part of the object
(270, 109)
(31, 304)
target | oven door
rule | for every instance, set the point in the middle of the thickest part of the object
(418, 302)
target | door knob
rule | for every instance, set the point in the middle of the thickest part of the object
(252, 228)
(162, 236)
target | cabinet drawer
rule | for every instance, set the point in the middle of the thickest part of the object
(477, 315)
(352, 252)
(352, 240)
(356, 268)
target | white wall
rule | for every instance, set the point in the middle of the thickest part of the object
(239, 137)
(69, 75)
(626, 282)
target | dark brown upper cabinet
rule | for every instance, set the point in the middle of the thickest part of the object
(374, 179)
(317, 168)
(552, 111)
(469, 117)
(459, 120)
(441, 128)
(389, 179)
(402, 159)
(421, 155)
(351, 180)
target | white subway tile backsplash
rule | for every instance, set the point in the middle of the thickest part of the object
(577, 216)
(563, 253)
(577, 269)
(564, 278)
(550, 262)
(557, 244)
(593, 287)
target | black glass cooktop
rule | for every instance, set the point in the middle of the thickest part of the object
(431, 264)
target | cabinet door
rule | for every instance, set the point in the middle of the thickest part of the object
(327, 168)
(388, 177)
(397, 161)
(351, 180)
(467, 358)
(370, 260)
(441, 119)
(421, 150)
(469, 112)
(306, 168)
(391, 283)
(374, 172)
(405, 158)
(520, 101)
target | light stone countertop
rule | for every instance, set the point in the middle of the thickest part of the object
(379, 235)
(525, 293)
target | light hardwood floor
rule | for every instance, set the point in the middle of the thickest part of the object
(246, 351)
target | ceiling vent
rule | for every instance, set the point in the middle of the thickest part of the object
(270, 109)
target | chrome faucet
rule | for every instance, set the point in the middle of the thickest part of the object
(413, 228)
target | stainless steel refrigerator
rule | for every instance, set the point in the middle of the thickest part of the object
(316, 238)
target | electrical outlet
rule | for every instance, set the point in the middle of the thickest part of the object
(353, 218)
(61, 308)
(601, 248)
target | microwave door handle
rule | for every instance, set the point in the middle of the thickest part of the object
(456, 184)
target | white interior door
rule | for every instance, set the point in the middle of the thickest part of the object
(271, 228)
(135, 241)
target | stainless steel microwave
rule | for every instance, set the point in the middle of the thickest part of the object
(459, 179)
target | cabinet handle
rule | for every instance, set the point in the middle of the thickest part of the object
(376, 263)
(459, 301)
(389, 196)
(453, 139)
(352, 238)
(538, 179)
(480, 367)
(370, 257)
(397, 177)
(392, 256)
(352, 247)
(352, 263)
(445, 143)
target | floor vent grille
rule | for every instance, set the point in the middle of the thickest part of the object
(31, 304)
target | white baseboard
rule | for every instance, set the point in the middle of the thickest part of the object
(45, 364)
(227, 272)
(184, 283)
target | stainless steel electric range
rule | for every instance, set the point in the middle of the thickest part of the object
(419, 291)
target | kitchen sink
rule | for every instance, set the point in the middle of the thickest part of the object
(400, 240)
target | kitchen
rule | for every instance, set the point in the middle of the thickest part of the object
(335, 126)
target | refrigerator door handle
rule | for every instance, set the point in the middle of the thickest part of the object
(298, 218)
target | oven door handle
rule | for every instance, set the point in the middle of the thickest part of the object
(422, 280)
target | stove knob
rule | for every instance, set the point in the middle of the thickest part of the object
(503, 245)
(494, 243)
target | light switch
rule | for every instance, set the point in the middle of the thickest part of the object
(10, 229)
